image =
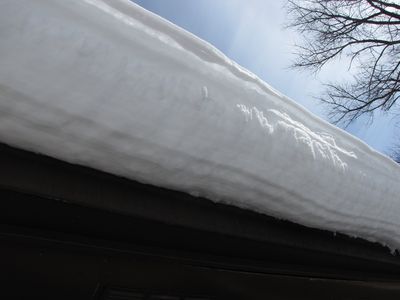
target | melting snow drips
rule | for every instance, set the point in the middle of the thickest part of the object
(321, 145)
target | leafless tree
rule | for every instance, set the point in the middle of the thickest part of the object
(395, 155)
(394, 152)
(368, 32)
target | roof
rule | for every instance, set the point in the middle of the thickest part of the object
(42, 193)
(110, 86)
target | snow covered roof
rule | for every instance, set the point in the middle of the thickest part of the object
(106, 84)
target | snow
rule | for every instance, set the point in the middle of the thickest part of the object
(108, 85)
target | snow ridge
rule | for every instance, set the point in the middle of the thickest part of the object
(108, 85)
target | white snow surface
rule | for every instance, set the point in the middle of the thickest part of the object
(109, 85)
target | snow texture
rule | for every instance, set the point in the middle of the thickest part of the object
(107, 84)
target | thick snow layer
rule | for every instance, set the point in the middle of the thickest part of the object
(109, 85)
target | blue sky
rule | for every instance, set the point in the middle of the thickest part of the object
(252, 33)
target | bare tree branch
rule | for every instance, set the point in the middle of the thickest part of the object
(366, 31)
